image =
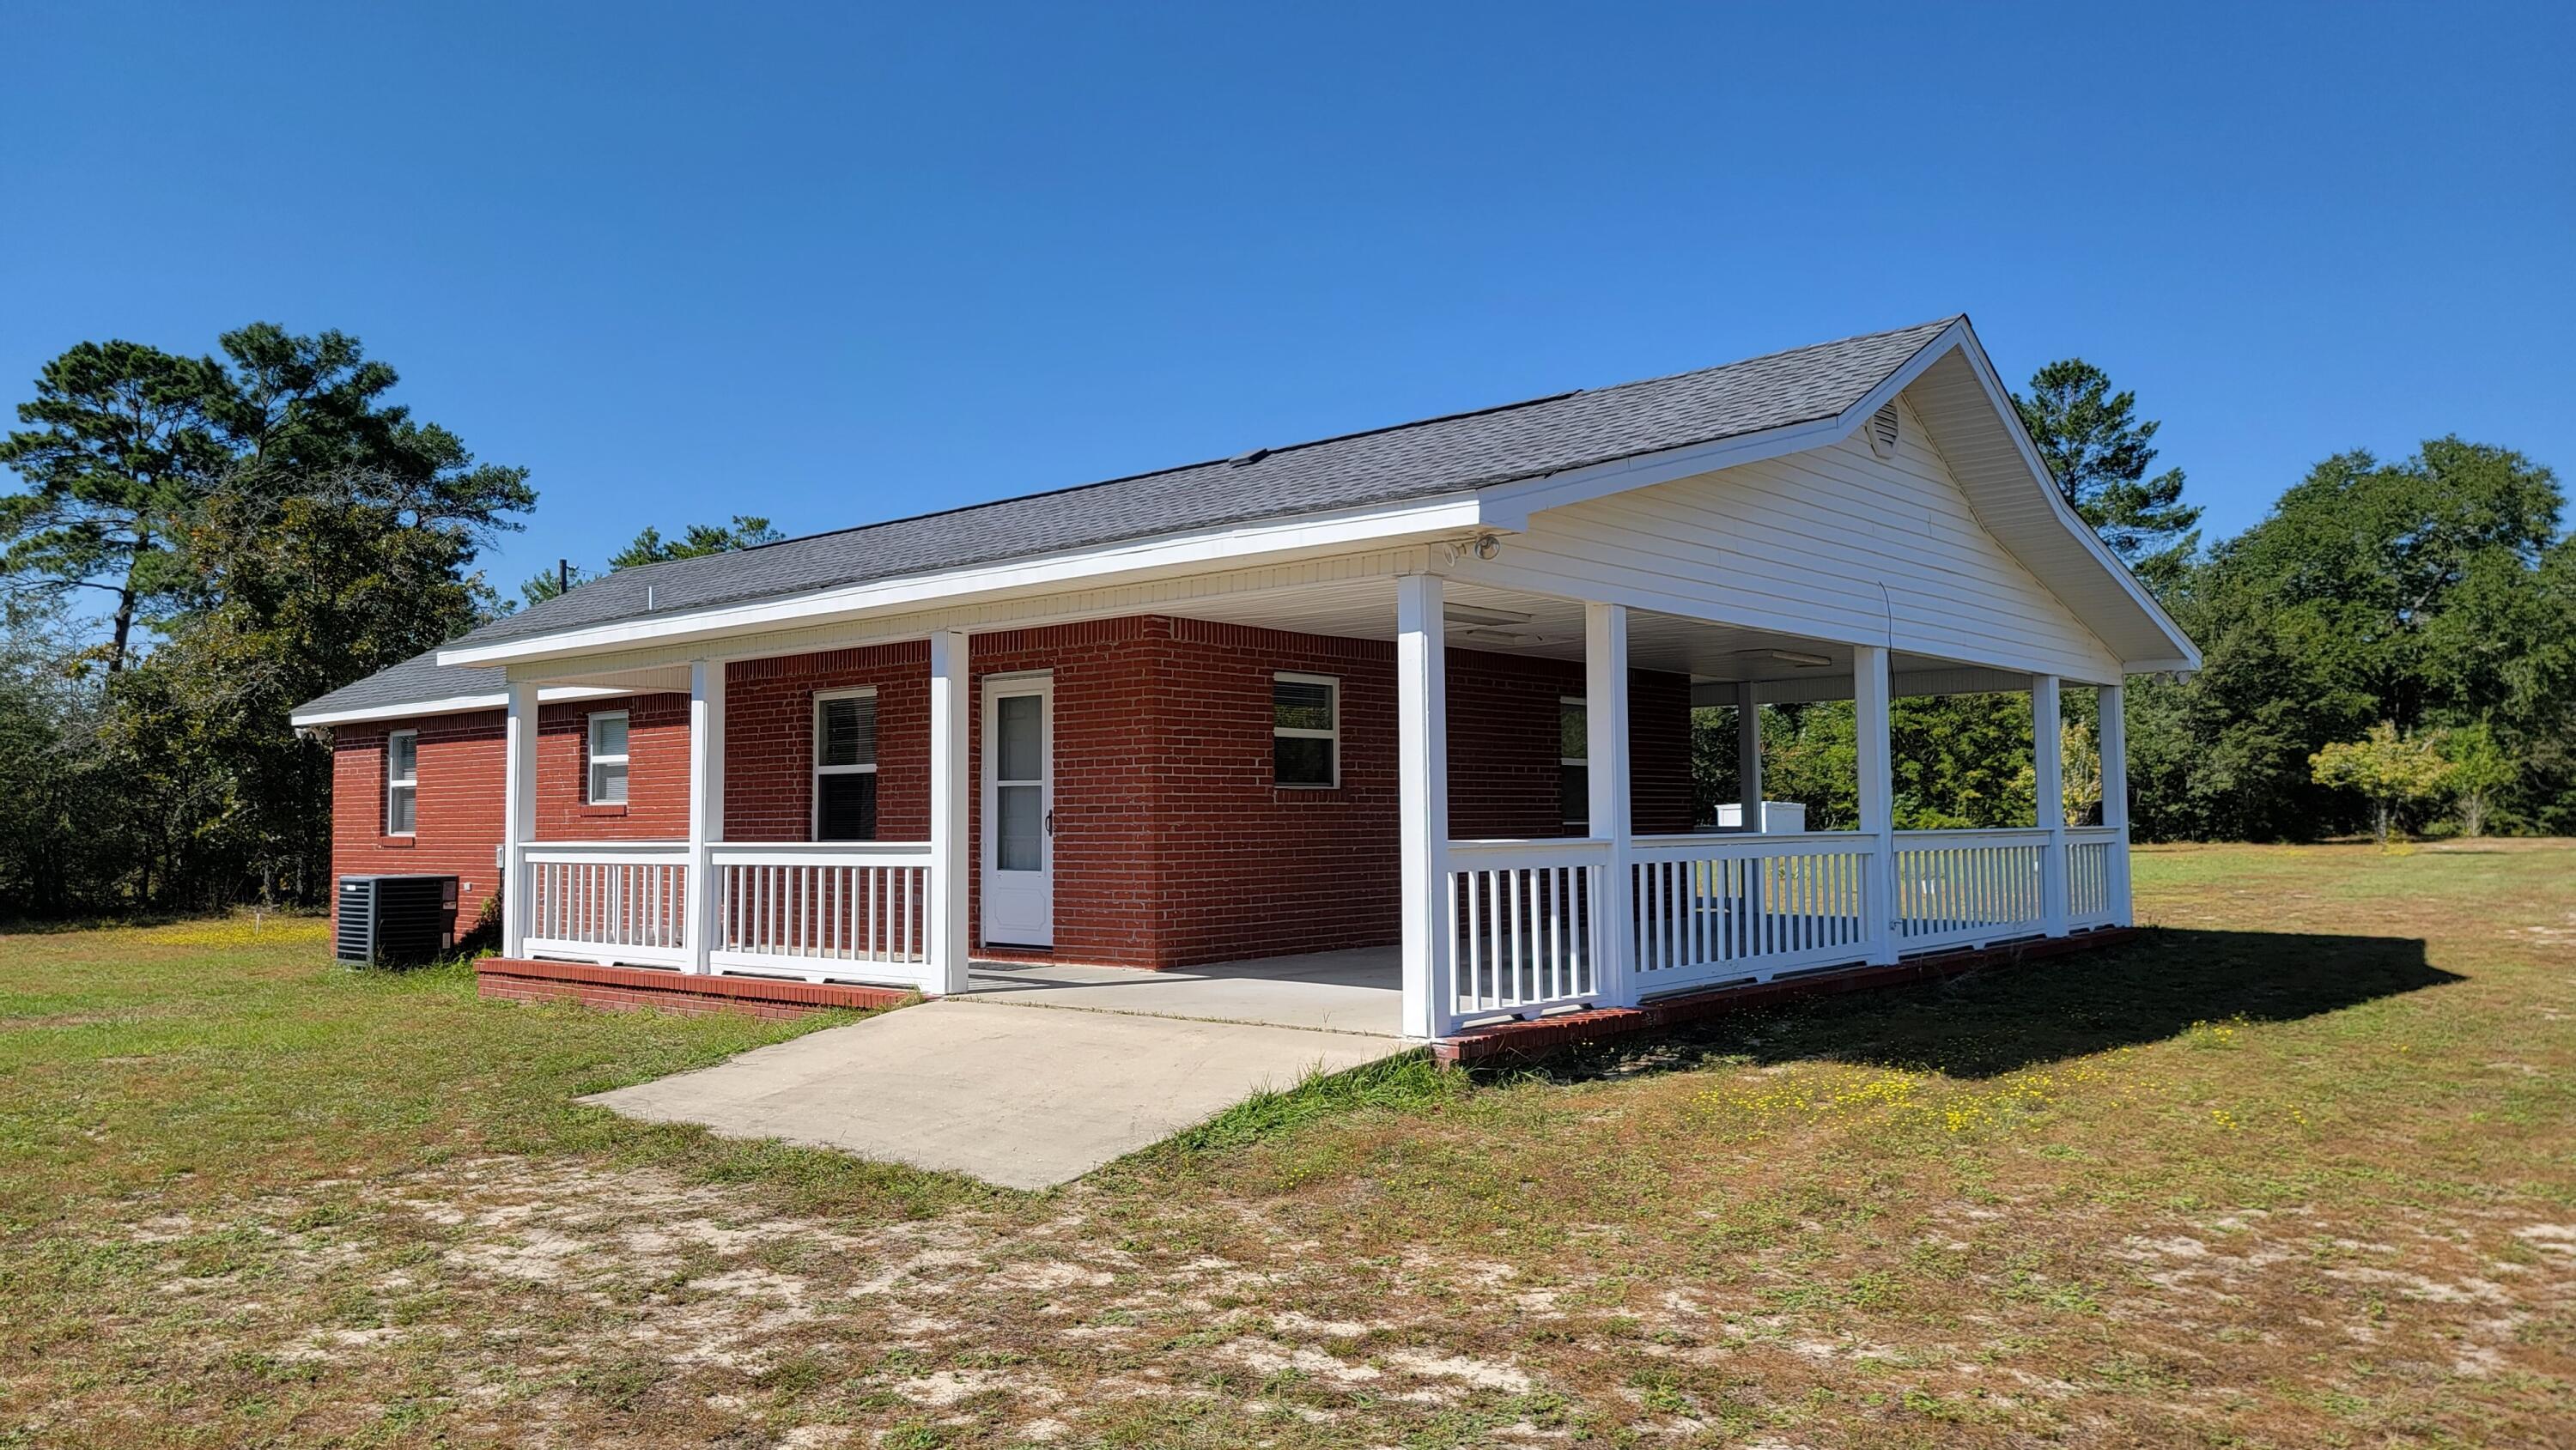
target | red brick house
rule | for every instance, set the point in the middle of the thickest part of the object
(1427, 690)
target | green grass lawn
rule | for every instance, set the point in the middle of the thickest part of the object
(2298, 1169)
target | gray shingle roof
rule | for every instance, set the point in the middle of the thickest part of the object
(1388, 465)
(418, 679)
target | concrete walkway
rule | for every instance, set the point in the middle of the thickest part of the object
(1023, 1096)
(1347, 991)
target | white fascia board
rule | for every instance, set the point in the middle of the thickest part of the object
(2184, 650)
(1233, 546)
(448, 705)
(1600, 480)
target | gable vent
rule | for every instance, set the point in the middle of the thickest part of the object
(1882, 431)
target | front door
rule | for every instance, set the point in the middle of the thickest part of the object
(1019, 811)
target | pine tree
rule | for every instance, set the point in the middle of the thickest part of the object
(2099, 451)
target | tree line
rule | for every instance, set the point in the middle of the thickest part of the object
(196, 544)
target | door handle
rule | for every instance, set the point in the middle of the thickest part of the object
(1050, 823)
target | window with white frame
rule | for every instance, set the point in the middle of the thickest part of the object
(1306, 731)
(608, 758)
(1574, 762)
(402, 782)
(845, 766)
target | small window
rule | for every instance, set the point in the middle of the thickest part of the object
(1306, 731)
(1574, 763)
(402, 782)
(845, 766)
(608, 758)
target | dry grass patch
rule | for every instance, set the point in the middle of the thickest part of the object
(2298, 1170)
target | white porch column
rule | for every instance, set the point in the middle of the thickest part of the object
(946, 938)
(706, 807)
(518, 814)
(1748, 754)
(2113, 741)
(1422, 777)
(1871, 692)
(1605, 736)
(2048, 762)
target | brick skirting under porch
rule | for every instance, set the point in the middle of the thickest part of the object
(1529, 1041)
(629, 988)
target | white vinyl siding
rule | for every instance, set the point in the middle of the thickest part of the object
(402, 783)
(607, 755)
(1833, 543)
(845, 765)
(1305, 731)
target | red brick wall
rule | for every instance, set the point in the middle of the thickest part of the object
(1503, 744)
(1250, 869)
(459, 774)
(1172, 846)
(1106, 788)
(657, 771)
(459, 816)
(769, 740)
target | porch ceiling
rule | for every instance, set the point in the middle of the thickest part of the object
(1503, 621)
(638, 681)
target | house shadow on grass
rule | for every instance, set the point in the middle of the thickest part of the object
(2000, 1020)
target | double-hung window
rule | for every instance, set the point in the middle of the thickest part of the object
(1573, 762)
(845, 766)
(402, 782)
(1306, 731)
(608, 758)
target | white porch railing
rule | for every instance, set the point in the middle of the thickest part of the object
(1522, 932)
(609, 901)
(1968, 887)
(853, 911)
(1745, 907)
(2090, 885)
(845, 912)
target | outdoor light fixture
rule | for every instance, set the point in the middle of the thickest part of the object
(1796, 659)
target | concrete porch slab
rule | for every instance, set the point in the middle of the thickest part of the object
(1011, 1094)
(1346, 991)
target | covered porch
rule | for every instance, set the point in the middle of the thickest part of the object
(1604, 916)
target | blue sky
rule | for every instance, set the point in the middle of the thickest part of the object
(842, 263)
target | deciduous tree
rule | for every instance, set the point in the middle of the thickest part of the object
(2390, 770)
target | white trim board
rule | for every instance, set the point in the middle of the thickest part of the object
(448, 705)
(1453, 515)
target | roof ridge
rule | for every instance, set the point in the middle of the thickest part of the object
(1937, 322)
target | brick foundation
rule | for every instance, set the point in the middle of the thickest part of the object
(634, 988)
(1533, 1040)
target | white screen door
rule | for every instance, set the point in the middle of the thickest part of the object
(1019, 811)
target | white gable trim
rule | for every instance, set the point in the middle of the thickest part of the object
(1602, 480)
(2186, 655)
(1556, 490)
(448, 705)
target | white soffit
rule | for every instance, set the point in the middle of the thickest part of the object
(1968, 415)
